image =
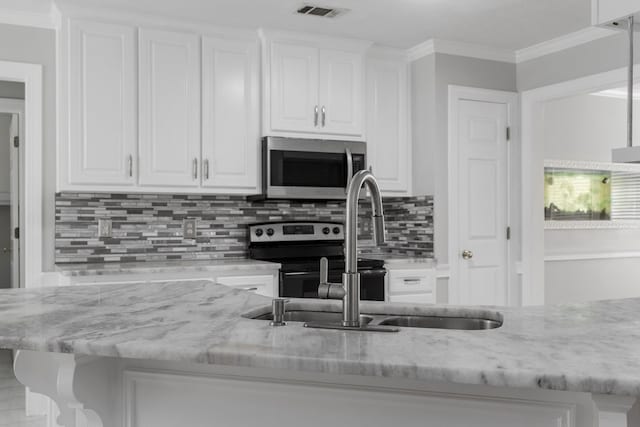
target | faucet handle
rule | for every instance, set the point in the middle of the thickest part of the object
(324, 270)
(328, 290)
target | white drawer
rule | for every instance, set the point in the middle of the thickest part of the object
(411, 281)
(423, 298)
(262, 285)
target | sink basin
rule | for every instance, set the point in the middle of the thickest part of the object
(313, 316)
(476, 320)
(461, 323)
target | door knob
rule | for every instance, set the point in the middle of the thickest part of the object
(467, 254)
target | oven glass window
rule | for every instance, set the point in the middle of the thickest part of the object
(311, 169)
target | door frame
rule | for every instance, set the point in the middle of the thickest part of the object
(31, 200)
(511, 99)
(15, 107)
(533, 289)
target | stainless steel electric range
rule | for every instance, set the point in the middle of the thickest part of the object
(299, 246)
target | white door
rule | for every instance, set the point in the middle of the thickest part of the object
(169, 105)
(482, 201)
(341, 92)
(15, 201)
(388, 143)
(230, 114)
(103, 93)
(294, 88)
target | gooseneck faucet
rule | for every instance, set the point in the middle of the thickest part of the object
(349, 289)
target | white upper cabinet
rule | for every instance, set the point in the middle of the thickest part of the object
(101, 147)
(169, 109)
(294, 88)
(230, 114)
(340, 96)
(605, 11)
(313, 87)
(387, 109)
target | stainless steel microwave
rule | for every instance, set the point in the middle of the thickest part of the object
(296, 168)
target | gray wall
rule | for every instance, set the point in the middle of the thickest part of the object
(37, 46)
(14, 90)
(596, 57)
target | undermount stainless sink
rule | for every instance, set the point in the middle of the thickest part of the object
(434, 322)
(409, 321)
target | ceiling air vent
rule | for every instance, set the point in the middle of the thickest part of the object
(325, 12)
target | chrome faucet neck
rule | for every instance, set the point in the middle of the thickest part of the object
(351, 277)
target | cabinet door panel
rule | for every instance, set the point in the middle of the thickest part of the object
(387, 125)
(294, 87)
(341, 92)
(230, 127)
(169, 109)
(102, 93)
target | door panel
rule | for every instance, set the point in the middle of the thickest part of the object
(482, 201)
(387, 126)
(169, 109)
(102, 103)
(341, 93)
(294, 87)
(230, 129)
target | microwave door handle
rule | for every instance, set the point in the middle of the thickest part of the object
(347, 152)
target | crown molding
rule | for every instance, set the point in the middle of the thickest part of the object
(567, 41)
(470, 50)
(27, 18)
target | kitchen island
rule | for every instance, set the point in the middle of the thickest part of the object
(188, 354)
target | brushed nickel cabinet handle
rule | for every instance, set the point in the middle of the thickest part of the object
(130, 166)
(467, 254)
(324, 116)
(195, 168)
(206, 169)
(315, 116)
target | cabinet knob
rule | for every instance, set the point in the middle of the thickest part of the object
(467, 254)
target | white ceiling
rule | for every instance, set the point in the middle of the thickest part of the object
(508, 24)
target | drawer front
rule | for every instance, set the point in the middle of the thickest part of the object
(262, 285)
(423, 298)
(411, 281)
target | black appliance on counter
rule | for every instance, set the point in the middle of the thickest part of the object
(298, 247)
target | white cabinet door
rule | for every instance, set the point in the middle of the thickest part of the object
(294, 88)
(169, 109)
(103, 92)
(341, 92)
(230, 115)
(388, 144)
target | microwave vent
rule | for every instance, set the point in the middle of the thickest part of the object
(321, 11)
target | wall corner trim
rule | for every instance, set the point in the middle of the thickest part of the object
(469, 50)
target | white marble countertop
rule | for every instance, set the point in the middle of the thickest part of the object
(396, 259)
(115, 268)
(592, 347)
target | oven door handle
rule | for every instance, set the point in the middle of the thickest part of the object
(298, 273)
(349, 156)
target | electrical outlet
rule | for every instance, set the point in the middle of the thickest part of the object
(189, 228)
(104, 227)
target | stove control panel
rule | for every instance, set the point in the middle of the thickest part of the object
(295, 231)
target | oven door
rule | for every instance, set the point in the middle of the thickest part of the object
(305, 284)
(311, 169)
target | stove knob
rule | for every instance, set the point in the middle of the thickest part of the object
(336, 230)
(326, 230)
(259, 232)
(270, 232)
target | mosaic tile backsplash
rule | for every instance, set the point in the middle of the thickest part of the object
(148, 227)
